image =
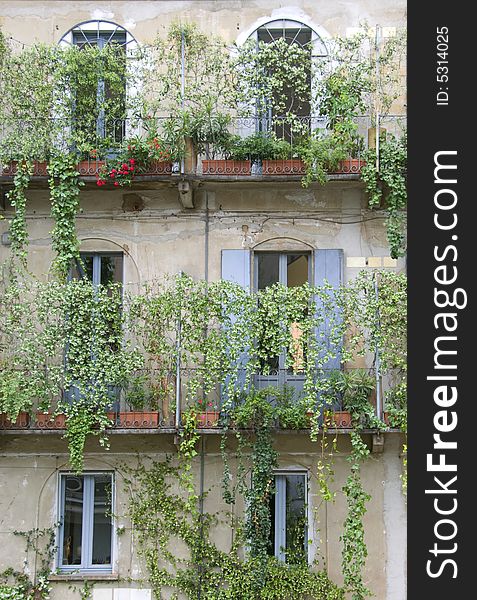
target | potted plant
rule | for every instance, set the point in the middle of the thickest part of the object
(291, 412)
(140, 414)
(207, 413)
(265, 152)
(252, 408)
(356, 386)
(321, 153)
(50, 420)
(235, 161)
(351, 391)
(22, 421)
(334, 412)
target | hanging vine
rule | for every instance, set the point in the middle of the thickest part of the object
(355, 551)
(17, 198)
(388, 185)
(64, 193)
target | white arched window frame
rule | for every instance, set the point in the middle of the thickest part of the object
(319, 40)
(100, 33)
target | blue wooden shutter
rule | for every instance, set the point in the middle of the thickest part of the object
(329, 267)
(236, 268)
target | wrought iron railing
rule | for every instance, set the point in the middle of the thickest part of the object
(215, 149)
(161, 411)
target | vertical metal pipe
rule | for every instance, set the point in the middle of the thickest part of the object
(202, 441)
(182, 86)
(379, 404)
(377, 42)
(206, 241)
(178, 374)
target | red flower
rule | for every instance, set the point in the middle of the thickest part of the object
(116, 183)
(111, 174)
(132, 161)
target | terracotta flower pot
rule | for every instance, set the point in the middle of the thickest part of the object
(39, 169)
(89, 167)
(226, 167)
(339, 418)
(50, 421)
(208, 419)
(137, 420)
(350, 166)
(158, 167)
(283, 167)
(21, 422)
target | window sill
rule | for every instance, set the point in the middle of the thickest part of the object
(87, 576)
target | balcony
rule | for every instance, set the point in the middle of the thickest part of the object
(224, 149)
(210, 350)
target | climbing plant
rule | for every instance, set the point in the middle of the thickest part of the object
(17, 198)
(355, 551)
(63, 348)
(18, 585)
(162, 514)
(386, 188)
(267, 73)
(64, 194)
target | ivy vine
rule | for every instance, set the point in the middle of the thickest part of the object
(387, 184)
(17, 198)
(64, 193)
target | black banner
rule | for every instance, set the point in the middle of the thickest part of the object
(442, 271)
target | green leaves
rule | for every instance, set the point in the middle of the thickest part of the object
(274, 76)
(387, 185)
(64, 194)
(17, 198)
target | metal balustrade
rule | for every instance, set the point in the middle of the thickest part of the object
(209, 153)
(160, 411)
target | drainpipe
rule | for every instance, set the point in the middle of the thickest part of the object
(178, 373)
(182, 87)
(377, 42)
(379, 404)
(202, 441)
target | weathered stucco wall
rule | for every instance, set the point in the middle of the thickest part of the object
(166, 238)
(29, 499)
(48, 21)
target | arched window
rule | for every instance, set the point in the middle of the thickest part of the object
(299, 105)
(101, 97)
(99, 33)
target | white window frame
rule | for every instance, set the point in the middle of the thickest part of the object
(87, 529)
(282, 264)
(320, 41)
(280, 524)
(97, 257)
(132, 48)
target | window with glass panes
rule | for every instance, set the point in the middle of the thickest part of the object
(100, 268)
(85, 535)
(291, 269)
(288, 511)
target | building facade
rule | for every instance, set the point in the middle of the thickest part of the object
(211, 221)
